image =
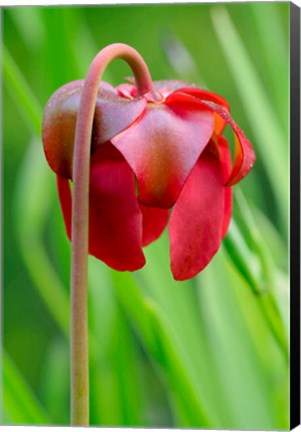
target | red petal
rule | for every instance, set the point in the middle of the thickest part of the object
(65, 201)
(226, 166)
(115, 217)
(115, 220)
(154, 221)
(195, 228)
(227, 209)
(162, 148)
(244, 156)
(112, 115)
(206, 95)
(58, 129)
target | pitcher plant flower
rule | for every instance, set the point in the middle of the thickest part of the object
(156, 157)
(141, 156)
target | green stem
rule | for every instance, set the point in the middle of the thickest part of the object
(80, 216)
(270, 313)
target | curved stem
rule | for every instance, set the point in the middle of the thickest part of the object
(80, 216)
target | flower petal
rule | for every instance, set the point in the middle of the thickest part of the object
(112, 114)
(59, 127)
(225, 156)
(115, 217)
(195, 228)
(244, 156)
(65, 199)
(154, 220)
(162, 148)
(206, 95)
(115, 220)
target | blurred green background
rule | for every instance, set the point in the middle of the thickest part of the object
(209, 352)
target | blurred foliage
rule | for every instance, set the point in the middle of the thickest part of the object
(209, 352)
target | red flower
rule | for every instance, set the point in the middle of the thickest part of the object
(155, 159)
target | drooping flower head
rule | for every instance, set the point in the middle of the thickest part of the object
(157, 159)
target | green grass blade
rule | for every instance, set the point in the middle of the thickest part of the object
(245, 261)
(269, 302)
(270, 139)
(55, 381)
(137, 307)
(170, 356)
(33, 35)
(24, 97)
(19, 401)
(130, 296)
(249, 253)
(116, 393)
(177, 300)
(274, 48)
(241, 345)
(31, 207)
(127, 359)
